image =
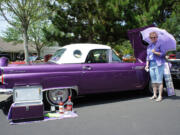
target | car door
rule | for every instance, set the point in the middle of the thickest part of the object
(96, 72)
(110, 75)
(125, 75)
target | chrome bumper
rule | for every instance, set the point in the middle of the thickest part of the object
(6, 91)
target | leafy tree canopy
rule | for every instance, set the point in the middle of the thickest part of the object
(107, 22)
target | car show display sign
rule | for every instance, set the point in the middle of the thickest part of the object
(168, 80)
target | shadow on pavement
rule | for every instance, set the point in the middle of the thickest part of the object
(174, 97)
(90, 100)
(5, 105)
(96, 99)
(176, 84)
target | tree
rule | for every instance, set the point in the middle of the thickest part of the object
(72, 20)
(26, 12)
(86, 21)
(35, 34)
(172, 24)
(12, 34)
(102, 21)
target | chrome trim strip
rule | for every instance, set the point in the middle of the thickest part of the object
(6, 91)
(68, 87)
(139, 67)
(10, 91)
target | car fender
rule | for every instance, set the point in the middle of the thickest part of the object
(60, 82)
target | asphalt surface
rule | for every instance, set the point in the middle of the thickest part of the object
(125, 113)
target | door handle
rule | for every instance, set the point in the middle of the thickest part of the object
(87, 68)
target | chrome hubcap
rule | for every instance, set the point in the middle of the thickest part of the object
(55, 96)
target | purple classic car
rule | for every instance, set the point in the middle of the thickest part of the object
(79, 69)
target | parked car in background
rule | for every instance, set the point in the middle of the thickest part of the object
(128, 58)
(4, 55)
(17, 62)
(172, 56)
(32, 59)
(175, 68)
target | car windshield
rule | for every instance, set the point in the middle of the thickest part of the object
(115, 58)
(57, 55)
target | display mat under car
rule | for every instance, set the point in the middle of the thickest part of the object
(27, 107)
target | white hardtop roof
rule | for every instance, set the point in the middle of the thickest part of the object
(88, 46)
(85, 48)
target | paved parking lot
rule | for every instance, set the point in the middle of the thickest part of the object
(126, 113)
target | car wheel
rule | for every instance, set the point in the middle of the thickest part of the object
(53, 96)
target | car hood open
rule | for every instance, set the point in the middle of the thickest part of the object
(137, 43)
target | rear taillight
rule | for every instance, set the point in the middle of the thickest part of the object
(1, 76)
(2, 79)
